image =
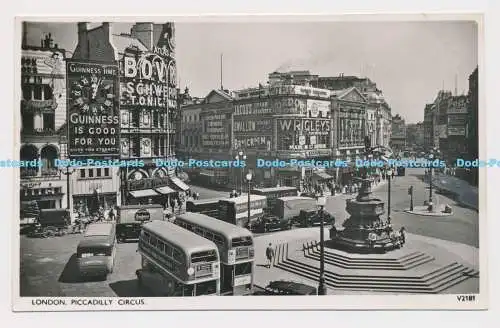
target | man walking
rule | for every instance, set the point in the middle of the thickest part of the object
(270, 255)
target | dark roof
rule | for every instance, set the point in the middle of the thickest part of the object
(227, 229)
(179, 236)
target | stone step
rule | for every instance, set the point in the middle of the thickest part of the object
(416, 260)
(364, 259)
(428, 276)
(392, 287)
(387, 280)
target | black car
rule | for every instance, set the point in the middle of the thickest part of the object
(310, 218)
(267, 223)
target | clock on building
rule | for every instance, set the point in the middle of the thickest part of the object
(92, 95)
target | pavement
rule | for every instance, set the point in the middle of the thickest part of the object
(444, 251)
(423, 210)
(464, 192)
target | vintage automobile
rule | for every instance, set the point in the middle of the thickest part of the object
(267, 223)
(310, 218)
(281, 287)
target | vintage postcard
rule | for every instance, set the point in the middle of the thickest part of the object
(333, 162)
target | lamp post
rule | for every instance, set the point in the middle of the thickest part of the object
(431, 157)
(249, 179)
(389, 175)
(67, 173)
(321, 202)
(243, 157)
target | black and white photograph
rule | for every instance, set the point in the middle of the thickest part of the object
(165, 160)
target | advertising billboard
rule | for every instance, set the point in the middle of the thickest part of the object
(216, 131)
(92, 111)
(318, 108)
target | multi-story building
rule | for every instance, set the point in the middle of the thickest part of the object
(148, 104)
(415, 136)
(429, 127)
(473, 124)
(456, 128)
(43, 114)
(398, 137)
(377, 106)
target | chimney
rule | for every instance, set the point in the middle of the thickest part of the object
(144, 32)
(25, 35)
(82, 50)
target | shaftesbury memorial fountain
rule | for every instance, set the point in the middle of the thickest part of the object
(364, 231)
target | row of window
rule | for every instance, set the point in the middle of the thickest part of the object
(37, 92)
(95, 173)
(210, 235)
(28, 122)
(165, 248)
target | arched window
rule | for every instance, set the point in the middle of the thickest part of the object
(48, 155)
(28, 153)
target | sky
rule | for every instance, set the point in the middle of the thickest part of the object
(409, 61)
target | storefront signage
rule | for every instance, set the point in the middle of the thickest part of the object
(148, 81)
(314, 92)
(142, 215)
(254, 108)
(310, 146)
(289, 105)
(299, 90)
(216, 131)
(145, 183)
(458, 106)
(306, 125)
(456, 131)
(252, 125)
(93, 120)
(260, 142)
(317, 108)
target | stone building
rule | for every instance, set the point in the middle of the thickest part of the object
(43, 116)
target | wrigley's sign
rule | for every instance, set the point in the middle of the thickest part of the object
(307, 125)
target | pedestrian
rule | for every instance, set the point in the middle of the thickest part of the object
(111, 214)
(270, 255)
(402, 232)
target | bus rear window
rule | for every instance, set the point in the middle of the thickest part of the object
(83, 252)
(241, 241)
(208, 256)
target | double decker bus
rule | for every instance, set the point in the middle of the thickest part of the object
(274, 193)
(208, 207)
(235, 210)
(177, 262)
(236, 250)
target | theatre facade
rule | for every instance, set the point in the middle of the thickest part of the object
(285, 122)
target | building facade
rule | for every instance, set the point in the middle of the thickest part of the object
(429, 127)
(415, 136)
(473, 124)
(456, 128)
(207, 134)
(398, 136)
(43, 114)
(148, 107)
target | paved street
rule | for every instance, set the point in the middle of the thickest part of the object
(461, 227)
(48, 265)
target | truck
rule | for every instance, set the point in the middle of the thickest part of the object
(130, 218)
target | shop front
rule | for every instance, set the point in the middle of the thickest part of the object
(48, 195)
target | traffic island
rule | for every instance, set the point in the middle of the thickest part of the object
(424, 210)
(364, 231)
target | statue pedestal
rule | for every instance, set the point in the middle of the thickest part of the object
(364, 231)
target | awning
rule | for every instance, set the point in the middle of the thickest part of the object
(143, 193)
(323, 175)
(178, 183)
(165, 190)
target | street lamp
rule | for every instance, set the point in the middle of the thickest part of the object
(243, 157)
(431, 157)
(249, 179)
(321, 202)
(67, 173)
(389, 175)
